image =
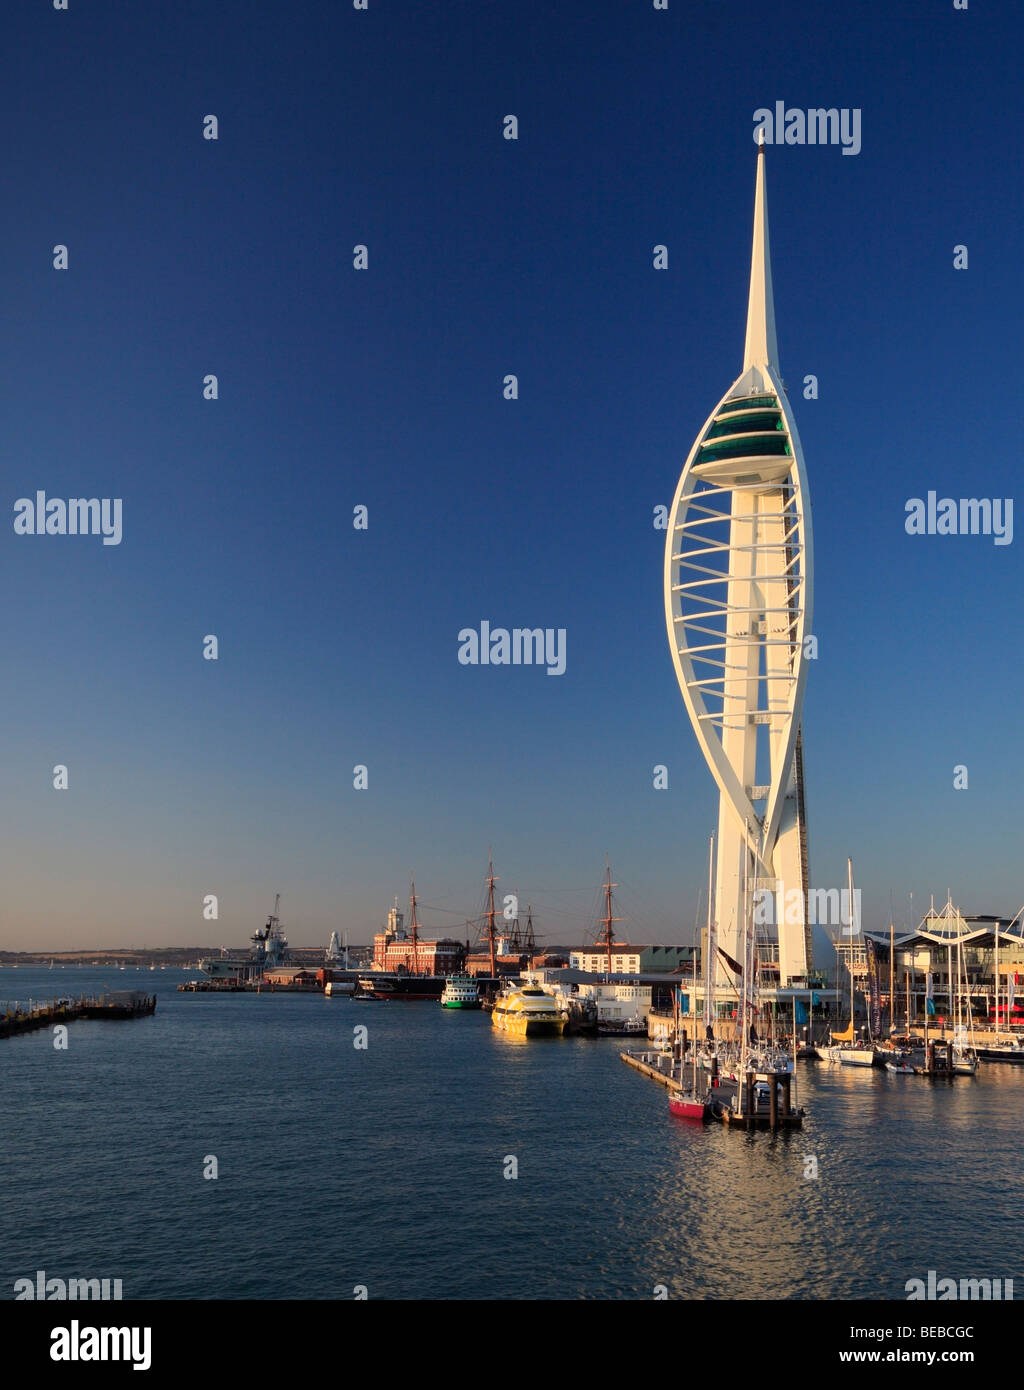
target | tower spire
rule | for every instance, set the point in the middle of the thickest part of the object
(760, 348)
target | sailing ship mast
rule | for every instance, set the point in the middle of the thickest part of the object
(491, 938)
(529, 940)
(414, 928)
(607, 920)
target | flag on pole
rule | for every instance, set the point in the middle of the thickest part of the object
(733, 965)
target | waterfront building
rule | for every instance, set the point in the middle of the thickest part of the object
(633, 960)
(625, 959)
(668, 959)
(985, 954)
(397, 951)
(738, 602)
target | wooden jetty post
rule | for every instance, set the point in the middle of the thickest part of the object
(787, 1096)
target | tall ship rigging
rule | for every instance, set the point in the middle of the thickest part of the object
(405, 966)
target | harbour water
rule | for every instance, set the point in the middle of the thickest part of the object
(385, 1166)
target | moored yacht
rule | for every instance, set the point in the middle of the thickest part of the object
(852, 1056)
(1012, 1051)
(528, 1011)
(689, 1105)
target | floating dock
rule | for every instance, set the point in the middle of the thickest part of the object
(778, 1113)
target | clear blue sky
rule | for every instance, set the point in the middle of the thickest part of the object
(383, 388)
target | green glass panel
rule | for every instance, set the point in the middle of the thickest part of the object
(754, 446)
(745, 424)
(747, 403)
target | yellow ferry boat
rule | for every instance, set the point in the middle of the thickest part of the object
(529, 1012)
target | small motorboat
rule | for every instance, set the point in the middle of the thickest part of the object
(901, 1066)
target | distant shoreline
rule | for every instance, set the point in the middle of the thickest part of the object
(152, 955)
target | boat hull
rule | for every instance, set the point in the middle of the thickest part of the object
(857, 1057)
(405, 988)
(998, 1054)
(523, 1026)
(689, 1108)
(460, 1003)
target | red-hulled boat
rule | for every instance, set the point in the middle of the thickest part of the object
(688, 1106)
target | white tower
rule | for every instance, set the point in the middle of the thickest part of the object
(738, 591)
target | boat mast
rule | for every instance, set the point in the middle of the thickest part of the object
(414, 927)
(608, 919)
(906, 977)
(952, 1000)
(849, 959)
(892, 973)
(529, 942)
(491, 881)
(745, 975)
(997, 979)
(957, 1001)
(709, 964)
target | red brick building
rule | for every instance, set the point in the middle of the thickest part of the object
(394, 950)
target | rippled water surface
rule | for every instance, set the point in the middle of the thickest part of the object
(341, 1167)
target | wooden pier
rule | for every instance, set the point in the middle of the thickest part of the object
(757, 1116)
(250, 987)
(121, 1004)
(778, 1113)
(641, 1061)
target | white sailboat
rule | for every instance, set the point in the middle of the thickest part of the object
(965, 1055)
(692, 1102)
(849, 1053)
